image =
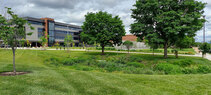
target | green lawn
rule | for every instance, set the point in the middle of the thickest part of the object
(47, 79)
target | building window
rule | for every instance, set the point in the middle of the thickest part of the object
(36, 23)
(51, 33)
(40, 32)
(76, 33)
(59, 34)
(60, 26)
(76, 38)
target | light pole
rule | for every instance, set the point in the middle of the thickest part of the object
(204, 30)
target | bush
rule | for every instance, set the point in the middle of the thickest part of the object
(189, 71)
(136, 64)
(135, 59)
(133, 70)
(110, 66)
(72, 61)
(203, 69)
(122, 60)
(184, 63)
(168, 68)
(54, 61)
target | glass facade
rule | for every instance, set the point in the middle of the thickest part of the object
(36, 23)
(59, 34)
(40, 32)
(51, 29)
(76, 38)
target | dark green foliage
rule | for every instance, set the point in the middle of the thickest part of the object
(205, 48)
(133, 64)
(190, 71)
(136, 64)
(54, 61)
(168, 68)
(102, 28)
(167, 20)
(72, 61)
(135, 59)
(204, 69)
(122, 60)
(128, 45)
(184, 63)
(185, 42)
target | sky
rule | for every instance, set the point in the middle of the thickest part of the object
(73, 11)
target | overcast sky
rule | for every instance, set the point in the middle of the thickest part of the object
(73, 11)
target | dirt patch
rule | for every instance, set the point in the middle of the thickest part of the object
(12, 73)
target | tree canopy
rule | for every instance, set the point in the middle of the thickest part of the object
(128, 45)
(205, 48)
(102, 28)
(167, 20)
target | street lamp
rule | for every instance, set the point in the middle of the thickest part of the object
(204, 30)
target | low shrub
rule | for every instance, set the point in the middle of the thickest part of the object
(189, 70)
(136, 64)
(133, 70)
(54, 61)
(203, 69)
(135, 59)
(122, 60)
(72, 61)
(183, 63)
(168, 68)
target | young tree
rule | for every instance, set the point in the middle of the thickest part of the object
(102, 28)
(12, 30)
(128, 45)
(167, 20)
(68, 40)
(22, 42)
(28, 43)
(205, 48)
(56, 45)
(185, 42)
(43, 41)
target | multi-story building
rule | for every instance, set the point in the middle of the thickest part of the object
(53, 31)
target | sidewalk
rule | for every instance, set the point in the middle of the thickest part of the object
(208, 56)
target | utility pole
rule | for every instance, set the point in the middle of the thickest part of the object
(204, 30)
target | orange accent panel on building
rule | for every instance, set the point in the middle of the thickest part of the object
(129, 38)
(46, 27)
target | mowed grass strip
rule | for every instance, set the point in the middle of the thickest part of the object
(51, 80)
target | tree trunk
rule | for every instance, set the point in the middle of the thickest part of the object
(176, 54)
(128, 50)
(14, 70)
(203, 55)
(165, 50)
(103, 47)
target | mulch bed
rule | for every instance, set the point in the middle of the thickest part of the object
(12, 73)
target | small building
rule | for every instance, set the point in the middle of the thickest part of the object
(136, 45)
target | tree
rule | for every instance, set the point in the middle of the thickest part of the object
(12, 30)
(68, 40)
(185, 42)
(22, 42)
(28, 43)
(167, 20)
(205, 48)
(43, 41)
(102, 28)
(56, 45)
(128, 45)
